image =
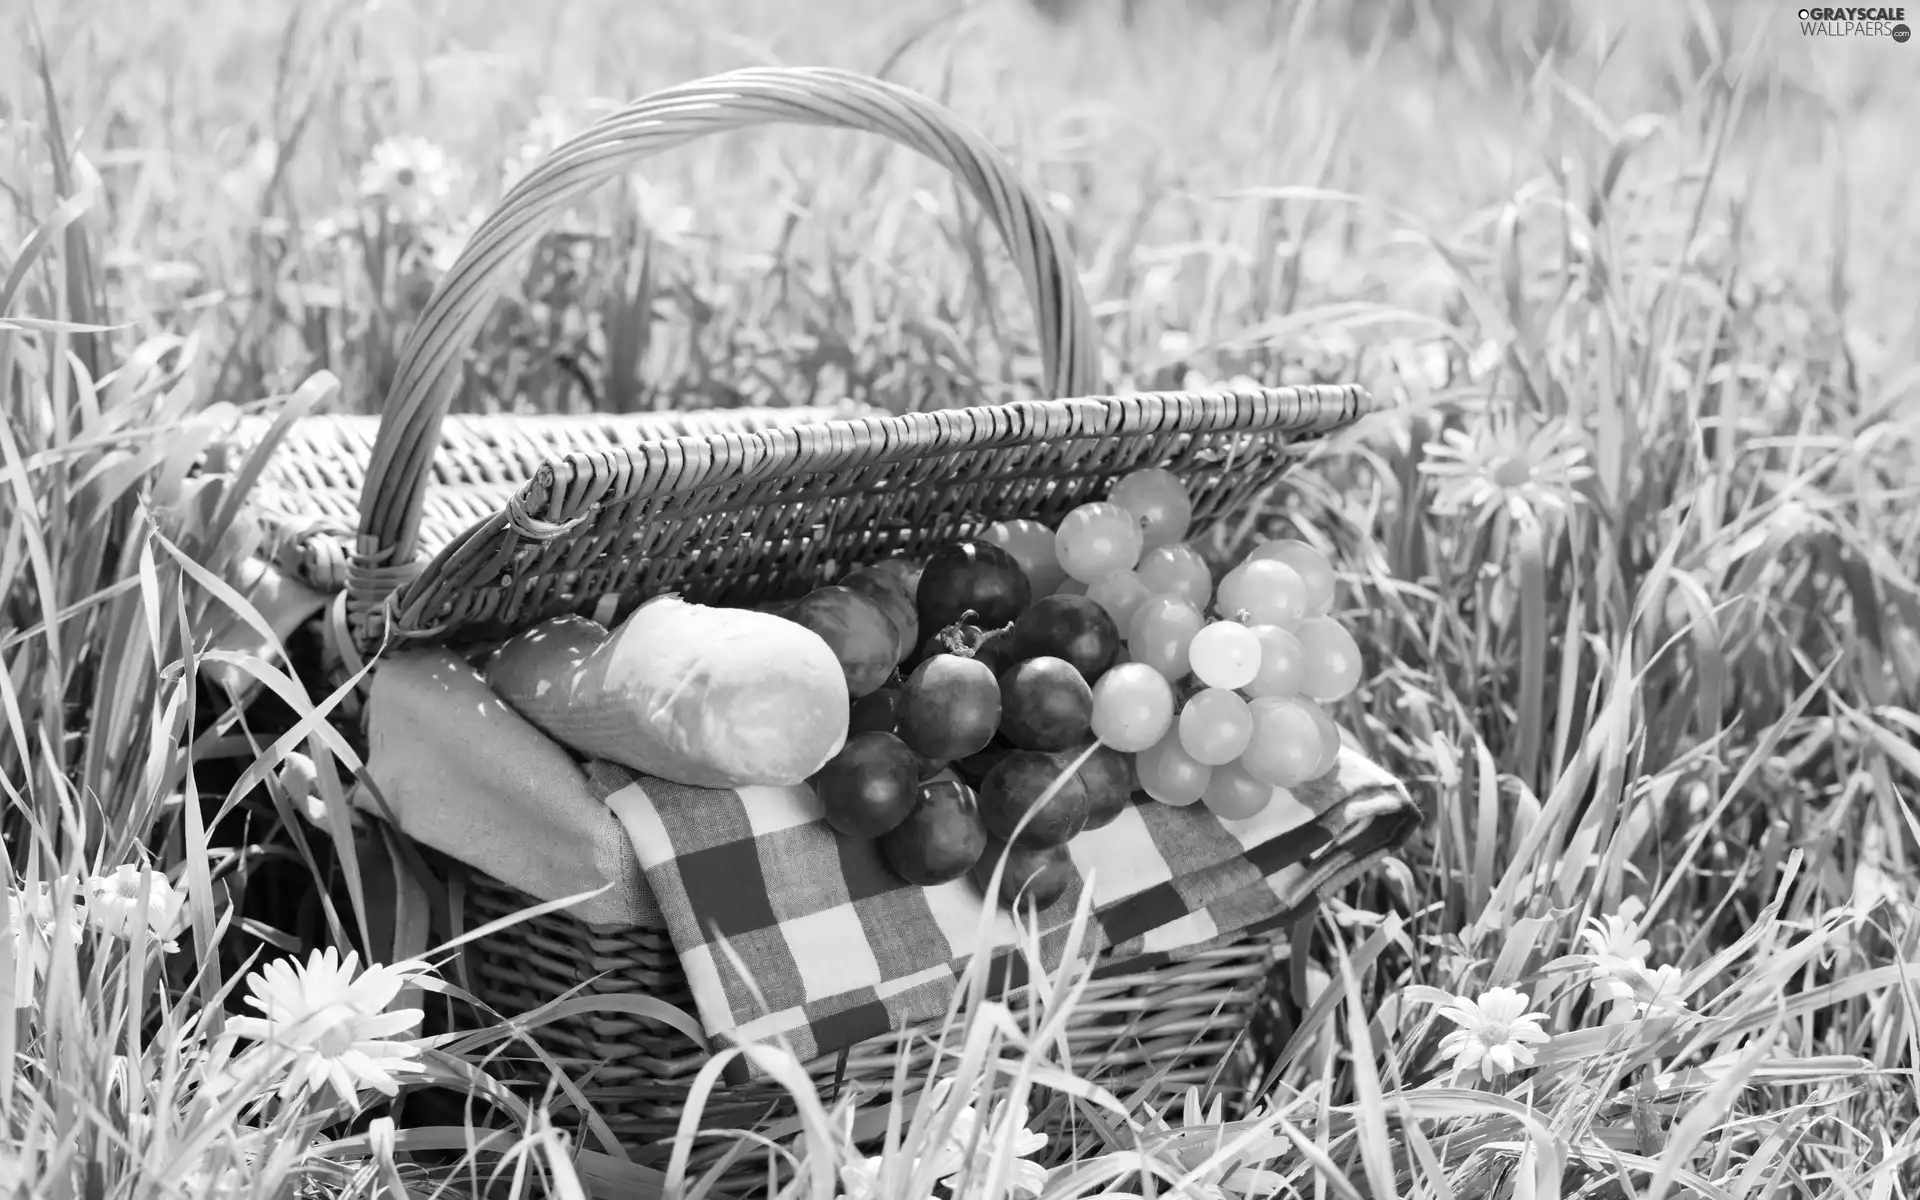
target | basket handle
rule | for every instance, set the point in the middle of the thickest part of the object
(430, 362)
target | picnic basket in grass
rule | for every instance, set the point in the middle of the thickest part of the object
(456, 532)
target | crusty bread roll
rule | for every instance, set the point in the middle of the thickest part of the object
(708, 697)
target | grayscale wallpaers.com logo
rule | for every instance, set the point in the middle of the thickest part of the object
(1855, 22)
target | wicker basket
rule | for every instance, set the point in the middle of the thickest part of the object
(513, 520)
(1173, 1024)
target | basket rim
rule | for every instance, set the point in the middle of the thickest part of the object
(846, 443)
(550, 506)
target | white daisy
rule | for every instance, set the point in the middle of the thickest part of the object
(963, 1166)
(1497, 1034)
(1640, 992)
(1617, 956)
(1665, 993)
(1506, 463)
(411, 177)
(128, 897)
(1614, 944)
(330, 1027)
(1023, 1176)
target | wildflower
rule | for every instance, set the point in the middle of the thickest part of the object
(411, 177)
(1511, 464)
(1618, 957)
(1614, 944)
(961, 1163)
(331, 1026)
(1639, 992)
(1497, 1034)
(1023, 1176)
(1663, 993)
(125, 899)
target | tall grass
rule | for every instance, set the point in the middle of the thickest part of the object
(1630, 556)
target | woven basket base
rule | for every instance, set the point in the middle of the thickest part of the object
(1148, 1033)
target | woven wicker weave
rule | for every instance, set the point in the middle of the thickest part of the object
(469, 530)
(1174, 1025)
(308, 498)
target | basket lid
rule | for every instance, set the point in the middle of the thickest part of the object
(747, 517)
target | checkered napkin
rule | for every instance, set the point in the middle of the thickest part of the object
(839, 950)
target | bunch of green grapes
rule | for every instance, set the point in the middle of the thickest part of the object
(1221, 695)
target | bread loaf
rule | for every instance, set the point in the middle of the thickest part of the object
(708, 697)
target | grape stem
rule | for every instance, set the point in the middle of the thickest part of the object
(963, 638)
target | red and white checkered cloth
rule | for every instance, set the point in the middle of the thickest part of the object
(841, 950)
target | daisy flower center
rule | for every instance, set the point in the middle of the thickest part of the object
(335, 1038)
(1512, 471)
(1494, 1031)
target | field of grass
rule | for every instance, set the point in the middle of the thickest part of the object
(1632, 550)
